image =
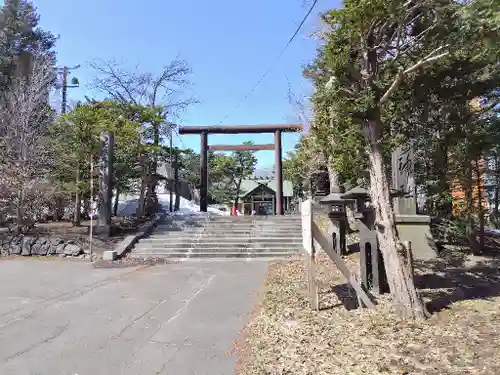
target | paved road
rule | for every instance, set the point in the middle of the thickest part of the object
(62, 318)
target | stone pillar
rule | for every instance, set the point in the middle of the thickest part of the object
(373, 275)
(411, 227)
(105, 182)
(403, 178)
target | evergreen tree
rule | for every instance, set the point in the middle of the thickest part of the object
(21, 39)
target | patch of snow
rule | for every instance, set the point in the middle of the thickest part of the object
(128, 207)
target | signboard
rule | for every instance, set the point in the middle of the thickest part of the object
(307, 220)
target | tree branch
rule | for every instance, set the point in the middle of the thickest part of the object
(402, 73)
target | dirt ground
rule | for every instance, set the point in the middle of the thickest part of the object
(284, 336)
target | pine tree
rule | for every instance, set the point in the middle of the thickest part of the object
(21, 39)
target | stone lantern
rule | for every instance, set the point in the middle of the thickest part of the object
(372, 270)
(337, 215)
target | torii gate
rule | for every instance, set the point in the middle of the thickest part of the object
(203, 131)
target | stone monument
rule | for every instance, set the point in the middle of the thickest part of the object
(106, 164)
(372, 270)
(411, 226)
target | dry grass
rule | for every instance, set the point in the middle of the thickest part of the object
(286, 337)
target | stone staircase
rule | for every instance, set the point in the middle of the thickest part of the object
(223, 237)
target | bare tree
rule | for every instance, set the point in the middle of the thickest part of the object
(24, 158)
(165, 92)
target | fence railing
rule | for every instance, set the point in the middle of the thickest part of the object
(311, 233)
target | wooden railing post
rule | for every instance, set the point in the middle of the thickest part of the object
(308, 244)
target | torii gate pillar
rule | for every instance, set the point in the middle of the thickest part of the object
(278, 172)
(204, 172)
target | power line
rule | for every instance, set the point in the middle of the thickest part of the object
(280, 55)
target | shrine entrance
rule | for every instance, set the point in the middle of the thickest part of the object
(204, 131)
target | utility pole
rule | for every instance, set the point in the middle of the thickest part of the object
(74, 83)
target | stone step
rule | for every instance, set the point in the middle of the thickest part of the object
(181, 227)
(224, 234)
(223, 239)
(254, 224)
(253, 230)
(186, 232)
(166, 244)
(255, 217)
(247, 245)
(162, 249)
(175, 235)
(217, 247)
(214, 255)
(251, 225)
(248, 223)
(230, 228)
(259, 239)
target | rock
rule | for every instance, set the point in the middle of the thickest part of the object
(27, 244)
(38, 247)
(52, 250)
(72, 249)
(56, 241)
(16, 245)
(5, 246)
(45, 248)
(59, 249)
(109, 255)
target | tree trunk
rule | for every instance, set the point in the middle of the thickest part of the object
(60, 209)
(480, 208)
(237, 197)
(497, 188)
(397, 258)
(443, 209)
(78, 199)
(333, 175)
(468, 186)
(19, 209)
(86, 207)
(115, 206)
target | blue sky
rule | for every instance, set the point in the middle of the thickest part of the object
(228, 44)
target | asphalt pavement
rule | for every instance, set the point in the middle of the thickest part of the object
(66, 318)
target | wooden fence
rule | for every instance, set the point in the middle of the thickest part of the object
(311, 234)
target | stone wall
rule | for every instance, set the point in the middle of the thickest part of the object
(47, 245)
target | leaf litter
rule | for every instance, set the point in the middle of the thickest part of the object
(285, 337)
